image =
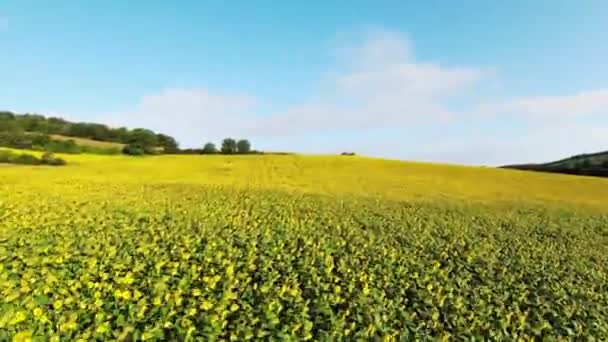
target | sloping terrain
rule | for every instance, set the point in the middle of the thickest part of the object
(594, 164)
(299, 248)
(88, 142)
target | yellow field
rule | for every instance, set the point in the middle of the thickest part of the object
(331, 175)
(299, 248)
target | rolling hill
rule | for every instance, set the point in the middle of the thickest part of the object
(324, 248)
(594, 164)
(89, 142)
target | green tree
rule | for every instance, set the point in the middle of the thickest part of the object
(586, 163)
(243, 146)
(228, 146)
(169, 144)
(145, 138)
(133, 150)
(209, 148)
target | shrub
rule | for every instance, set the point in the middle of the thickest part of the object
(25, 159)
(348, 153)
(133, 150)
(6, 156)
(209, 148)
(228, 146)
(243, 146)
(56, 162)
(67, 146)
(49, 158)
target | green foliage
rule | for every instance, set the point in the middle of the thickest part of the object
(66, 146)
(145, 138)
(49, 158)
(228, 146)
(594, 164)
(209, 148)
(42, 142)
(167, 143)
(23, 140)
(133, 150)
(5, 156)
(15, 123)
(25, 159)
(28, 159)
(243, 146)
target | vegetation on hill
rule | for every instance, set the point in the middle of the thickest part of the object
(21, 125)
(300, 248)
(36, 132)
(228, 146)
(10, 157)
(89, 142)
(595, 164)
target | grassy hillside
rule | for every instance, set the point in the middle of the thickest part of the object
(594, 164)
(89, 142)
(13, 127)
(300, 247)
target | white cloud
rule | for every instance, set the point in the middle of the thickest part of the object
(382, 85)
(584, 104)
(190, 115)
(379, 84)
(539, 144)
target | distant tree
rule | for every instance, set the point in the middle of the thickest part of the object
(149, 141)
(243, 146)
(4, 115)
(228, 146)
(169, 144)
(9, 126)
(605, 163)
(209, 148)
(586, 163)
(133, 150)
(145, 138)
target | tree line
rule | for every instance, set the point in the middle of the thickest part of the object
(33, 131)
(18, 125)
(228, 146)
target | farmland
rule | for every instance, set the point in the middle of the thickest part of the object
(299, 248)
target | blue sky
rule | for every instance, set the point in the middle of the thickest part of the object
(473, 82)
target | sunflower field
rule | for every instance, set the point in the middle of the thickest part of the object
(296, 248)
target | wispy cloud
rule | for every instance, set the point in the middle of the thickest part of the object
(189, 114)
(378, 84)
(381, 84)
(582, 104)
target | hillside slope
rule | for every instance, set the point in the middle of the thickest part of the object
(594, 164)
(335, 175)
(322, 248)
(85, 132)
(89, 142)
